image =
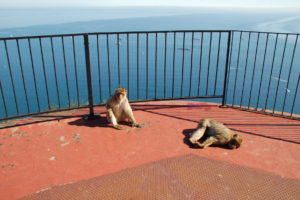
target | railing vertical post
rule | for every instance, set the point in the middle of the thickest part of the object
(226, 69)
(3, 100)
(296, 92)
(88, 77)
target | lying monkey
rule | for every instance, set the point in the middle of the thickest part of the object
(215, 133)
(118, 109)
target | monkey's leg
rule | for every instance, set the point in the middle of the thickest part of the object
(197, 135)
(209, 141)
(111, 118)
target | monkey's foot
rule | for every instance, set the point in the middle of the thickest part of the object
(202, 146)
(118, 127)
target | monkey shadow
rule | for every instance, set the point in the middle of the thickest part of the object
(97, 122)
(188, 132)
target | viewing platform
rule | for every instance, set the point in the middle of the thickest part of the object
(62, 156)
(52, 86)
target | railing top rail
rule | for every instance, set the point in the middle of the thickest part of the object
(136, 32)
(112, 33)
(266, 32)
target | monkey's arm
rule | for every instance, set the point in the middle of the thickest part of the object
(111, 118)
(131, 118)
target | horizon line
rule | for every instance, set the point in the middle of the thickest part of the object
(170, 6)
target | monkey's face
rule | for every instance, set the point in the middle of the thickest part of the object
(235, 142)
(121, 93)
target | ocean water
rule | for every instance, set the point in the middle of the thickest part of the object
(150, 66)
(37, 21)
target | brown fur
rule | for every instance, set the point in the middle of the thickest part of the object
(215, 133)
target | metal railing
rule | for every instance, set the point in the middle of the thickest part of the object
(51, 73)
(266, 67)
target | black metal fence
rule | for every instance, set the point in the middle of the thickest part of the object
(264, 73)
(245, 70)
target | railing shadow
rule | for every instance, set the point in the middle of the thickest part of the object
(238, 130)
(34, 120)
(48, 118)
(151, 108)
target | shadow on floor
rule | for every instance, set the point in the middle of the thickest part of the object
(101, 121)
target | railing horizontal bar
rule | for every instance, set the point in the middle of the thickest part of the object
(110, 33)
(137, 32)
(265, 32)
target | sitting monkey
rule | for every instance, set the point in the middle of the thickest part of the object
(118, 109)
(216, 133)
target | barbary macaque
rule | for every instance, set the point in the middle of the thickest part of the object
(215, 133)
(118, 109)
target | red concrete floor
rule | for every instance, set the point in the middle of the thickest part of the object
(60, 148)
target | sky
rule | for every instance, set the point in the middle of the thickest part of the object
(214, 3)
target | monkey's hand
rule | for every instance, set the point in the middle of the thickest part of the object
(137, 125)
(117, 126)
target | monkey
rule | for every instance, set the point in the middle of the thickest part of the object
(216, 133)
(118, 109)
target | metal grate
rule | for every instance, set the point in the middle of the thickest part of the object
(185, 177)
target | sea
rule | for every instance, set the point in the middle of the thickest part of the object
(23, 97)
